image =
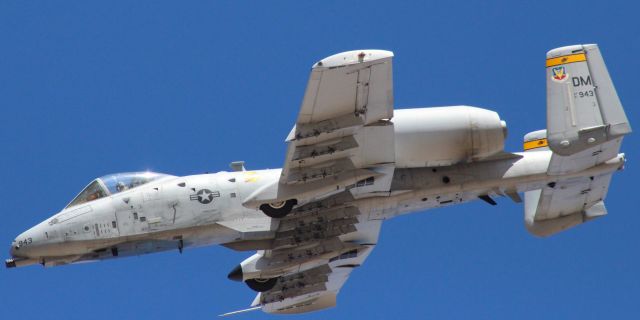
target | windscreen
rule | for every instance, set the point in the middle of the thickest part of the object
(112, 184)
(119, 182)
(92, 192)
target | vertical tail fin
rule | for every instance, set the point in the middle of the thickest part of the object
(583, 108)
(536, 141)
(585, 126)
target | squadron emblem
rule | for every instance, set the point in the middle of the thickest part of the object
(559, 74)
(204, 196)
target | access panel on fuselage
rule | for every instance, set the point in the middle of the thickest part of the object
(130, 216)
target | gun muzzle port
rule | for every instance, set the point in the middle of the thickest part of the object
(10, 263)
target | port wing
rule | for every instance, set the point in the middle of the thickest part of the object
(343, 133)
(315, 249)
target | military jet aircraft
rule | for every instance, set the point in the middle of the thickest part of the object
(352, 162)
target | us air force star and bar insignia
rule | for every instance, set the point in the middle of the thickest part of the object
(204, 196)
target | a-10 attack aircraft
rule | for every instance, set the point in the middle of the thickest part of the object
(353, 162)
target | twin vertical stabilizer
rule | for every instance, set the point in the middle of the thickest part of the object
(583, 108)
(585, 126)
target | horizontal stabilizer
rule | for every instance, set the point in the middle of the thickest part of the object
(565, 204)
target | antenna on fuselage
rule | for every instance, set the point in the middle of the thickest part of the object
(237, 166)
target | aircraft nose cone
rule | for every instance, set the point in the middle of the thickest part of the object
(15, 249)
(25, 243)
(12, 250)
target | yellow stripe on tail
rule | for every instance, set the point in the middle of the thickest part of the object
(534, 144)
(578, 57)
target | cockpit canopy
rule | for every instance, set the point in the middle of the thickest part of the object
(114, 183)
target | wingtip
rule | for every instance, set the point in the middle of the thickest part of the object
(352, 57)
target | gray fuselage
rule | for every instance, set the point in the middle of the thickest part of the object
(173, 213)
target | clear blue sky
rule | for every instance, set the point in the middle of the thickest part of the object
(89, 88)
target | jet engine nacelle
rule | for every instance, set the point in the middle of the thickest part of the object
(444, 136)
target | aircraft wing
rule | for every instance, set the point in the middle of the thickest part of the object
(340, 149)
(312, 289)
(315, 249)
(343, 133)
(343, 125)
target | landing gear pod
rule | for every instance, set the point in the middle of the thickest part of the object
(278, 209)
(261, 285)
